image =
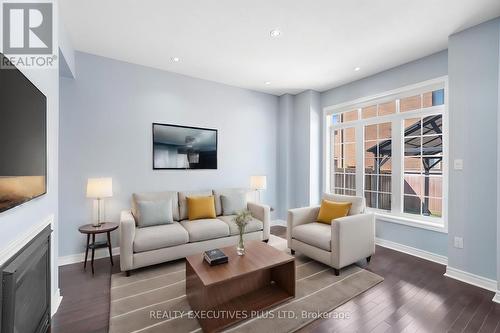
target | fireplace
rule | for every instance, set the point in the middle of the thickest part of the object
(25, 294)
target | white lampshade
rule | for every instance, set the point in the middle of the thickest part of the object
(99, 188)
(258, 182)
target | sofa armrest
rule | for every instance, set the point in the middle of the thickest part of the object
(127, 235)
(353, 239)
(262, 213)
(298, 216)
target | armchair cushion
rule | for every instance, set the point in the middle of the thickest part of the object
(358, 203)
(315, 234)
(160, 236)
(330, 210)
(253, 225)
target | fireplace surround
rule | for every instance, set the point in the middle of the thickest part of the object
(25, 292)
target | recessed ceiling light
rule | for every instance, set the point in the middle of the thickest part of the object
(176, 59)
(275, 33)
(268, 82)
(357, 69)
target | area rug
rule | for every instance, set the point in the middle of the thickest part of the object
(154, 299)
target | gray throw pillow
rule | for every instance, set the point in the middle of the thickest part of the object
(233, 203)
(156, 212)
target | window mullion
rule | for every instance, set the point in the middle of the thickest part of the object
(397, 165)
(360, 164)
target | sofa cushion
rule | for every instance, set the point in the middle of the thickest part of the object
(153, 196)
(159, 236)
(205, 229)
(252, 226)
(315, 234)
(358, 203)
(250, 194)
(183, 209)
(151, 213)
(201, 207)
(233, 203)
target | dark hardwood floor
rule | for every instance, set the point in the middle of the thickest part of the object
(414, 297)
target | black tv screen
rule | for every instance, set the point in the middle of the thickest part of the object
(184, 147)
(23, 139)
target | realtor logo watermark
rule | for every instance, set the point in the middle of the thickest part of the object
(28, 35)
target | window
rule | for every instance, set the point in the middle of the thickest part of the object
(378, 168)
(344, 161)
(391, 150)
(423, 166)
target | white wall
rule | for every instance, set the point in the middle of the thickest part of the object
(106, 117)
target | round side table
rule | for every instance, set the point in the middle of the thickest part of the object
(89, 229)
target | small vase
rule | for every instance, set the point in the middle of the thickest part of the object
(240, 249)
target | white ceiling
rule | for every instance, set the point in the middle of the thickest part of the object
(228, 41)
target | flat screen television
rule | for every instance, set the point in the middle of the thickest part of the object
(23, 139)
(184, 147)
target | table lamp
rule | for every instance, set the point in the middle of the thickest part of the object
(258, 183)
(99, 188)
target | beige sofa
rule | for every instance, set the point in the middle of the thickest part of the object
(344, 242)
(140, 247)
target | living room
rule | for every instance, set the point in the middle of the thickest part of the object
(283, 166)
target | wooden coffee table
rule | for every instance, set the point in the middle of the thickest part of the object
(260, 279)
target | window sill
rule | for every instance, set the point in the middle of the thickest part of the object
(416, 223)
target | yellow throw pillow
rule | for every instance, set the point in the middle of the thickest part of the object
(330, 210)
(201, 207)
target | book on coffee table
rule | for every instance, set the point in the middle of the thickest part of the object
(215, 257)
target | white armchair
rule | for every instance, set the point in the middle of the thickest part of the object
(344, 242)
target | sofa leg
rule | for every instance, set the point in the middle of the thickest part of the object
(368, 259)
(292, 252)
(266, 240)
(336, 271)
(127, 273)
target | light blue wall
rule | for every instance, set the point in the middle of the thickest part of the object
(473, 81)
(284, 147)
(299, 149)
(300, 140)
(316, 148)
(416, 71)
(423, 69)
(105, 131)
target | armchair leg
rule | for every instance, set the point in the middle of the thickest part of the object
(266, 240)
(337, 271)
(368, 259)
(127, 273)
(292, 252)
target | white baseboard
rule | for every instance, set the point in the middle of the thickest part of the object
(278, 222)
(473, 279)
(80, 257)
(412, 251)
(496, 298)
(55, 302)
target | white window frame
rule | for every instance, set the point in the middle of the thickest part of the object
(396, 215)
